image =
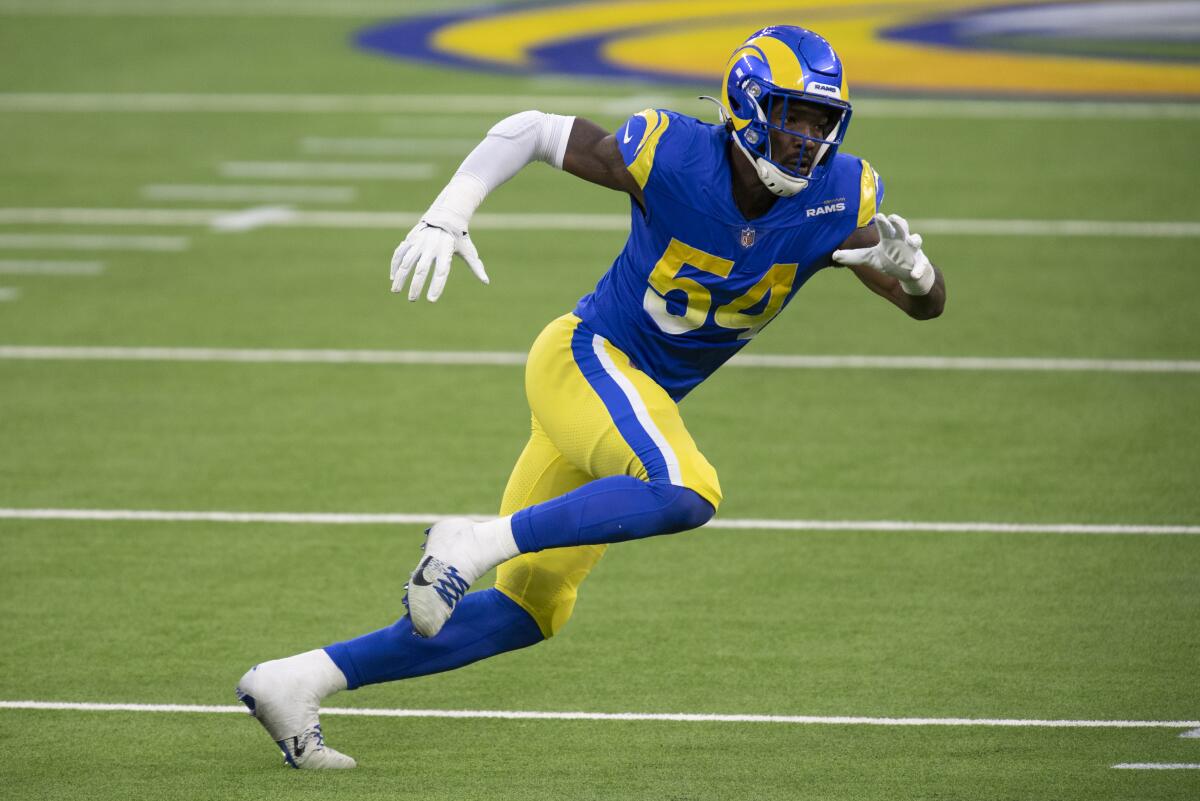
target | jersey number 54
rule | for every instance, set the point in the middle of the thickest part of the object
(775, 285)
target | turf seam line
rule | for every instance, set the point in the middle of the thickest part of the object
(340, 518)
(673, 717)
(516, 359)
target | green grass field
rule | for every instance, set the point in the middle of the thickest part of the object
(854, 623)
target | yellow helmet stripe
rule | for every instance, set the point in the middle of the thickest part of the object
(786, 71)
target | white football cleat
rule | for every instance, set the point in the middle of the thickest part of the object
(442, 577)
(284, 695)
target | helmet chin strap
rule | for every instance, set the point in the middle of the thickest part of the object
(825, 147)
(773, 178)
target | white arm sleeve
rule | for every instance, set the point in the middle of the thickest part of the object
(511, 144)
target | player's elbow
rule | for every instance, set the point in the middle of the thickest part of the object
(927, 313)
(926, 307)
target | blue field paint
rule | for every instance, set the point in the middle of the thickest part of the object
(412, 38)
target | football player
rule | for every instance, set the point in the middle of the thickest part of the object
(728, 221)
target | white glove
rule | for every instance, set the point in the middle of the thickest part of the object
(433, 242)
(511, 144)
(440, 234)
(898, 254)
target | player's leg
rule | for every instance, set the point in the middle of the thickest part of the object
(612, 422)
(621, 427)
(285, 694)
(545, 584)
(492, 621)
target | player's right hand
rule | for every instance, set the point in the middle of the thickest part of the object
(898, 253)
(433, 243)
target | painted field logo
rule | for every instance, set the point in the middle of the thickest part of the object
(1047, 48)
(828, 208)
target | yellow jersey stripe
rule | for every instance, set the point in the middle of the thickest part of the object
(866, 195)
(643, 162)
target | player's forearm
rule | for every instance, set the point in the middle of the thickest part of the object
(509, 146)
(926, 306)
(442, 230)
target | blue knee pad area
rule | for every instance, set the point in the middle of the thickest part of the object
(484, 624)
(613, 509)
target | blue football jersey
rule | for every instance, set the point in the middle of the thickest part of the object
(696, 280)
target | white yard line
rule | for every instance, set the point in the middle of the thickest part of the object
(360, 171)
(568, 104)
(527, 221)
(315, 145)
(1157, 766)
(665, 717)
(475, 358)
(515, 358)
(45, 102)
(423, 518)
(967, 363)
(92, 242)
(249, 219)
(1089, 228)
(953, 528)
(143, 217)
(33, 267)
(8, 293)
(238, 193)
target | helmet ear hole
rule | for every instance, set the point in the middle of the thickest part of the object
(739, 100)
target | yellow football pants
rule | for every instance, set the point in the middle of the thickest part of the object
(588, 404)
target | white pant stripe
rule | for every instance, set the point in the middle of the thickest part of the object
(639, 409)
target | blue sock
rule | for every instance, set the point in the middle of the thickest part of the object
(613, 509)
(484, 624)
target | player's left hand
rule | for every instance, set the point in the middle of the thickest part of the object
(432, 243)
(898, 253)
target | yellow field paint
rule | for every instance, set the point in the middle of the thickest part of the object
(905, 66)
(704, 34)
(508, 37)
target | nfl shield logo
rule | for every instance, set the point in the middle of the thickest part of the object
(747, 237)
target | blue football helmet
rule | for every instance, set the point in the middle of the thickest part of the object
(772, 69)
